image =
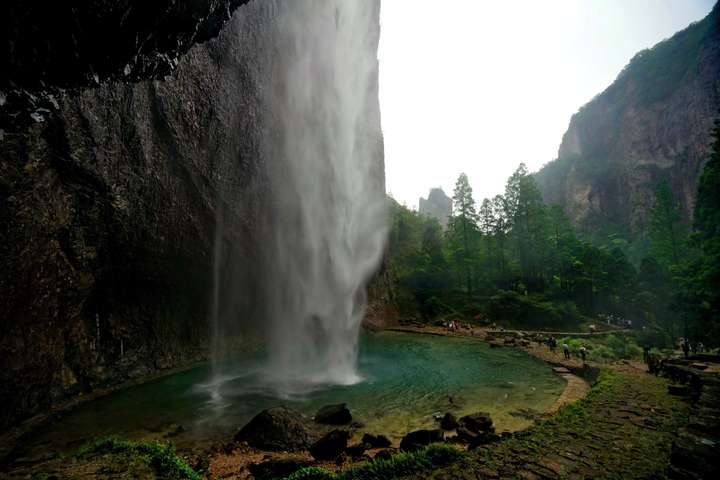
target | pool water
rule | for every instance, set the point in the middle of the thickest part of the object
(408, 379)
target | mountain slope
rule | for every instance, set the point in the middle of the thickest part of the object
(652, 124)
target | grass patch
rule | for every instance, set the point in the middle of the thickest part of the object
(161, 457)
(402, 464)
(625, 449)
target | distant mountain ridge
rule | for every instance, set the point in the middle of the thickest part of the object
(651, 125)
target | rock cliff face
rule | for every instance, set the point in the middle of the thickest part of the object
(111, 198)
(81, 43)
(438, 206)
(652, 124)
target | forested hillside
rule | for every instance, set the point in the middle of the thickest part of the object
(517, 261)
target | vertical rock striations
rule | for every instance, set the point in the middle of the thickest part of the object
(111, 197)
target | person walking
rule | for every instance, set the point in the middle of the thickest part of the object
(686, 347)
(566, 351)
(583, 353)
(646, 354)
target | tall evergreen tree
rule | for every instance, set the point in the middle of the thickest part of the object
(501, 226)
(667, 232)
(528, 222)
(512, 192)
(463, 227)
(700, 292)
(707, 205)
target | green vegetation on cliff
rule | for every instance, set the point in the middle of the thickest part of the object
(698, 277)
(651, 125)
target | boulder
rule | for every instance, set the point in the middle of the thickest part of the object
(386, 454)
(330, 446)
(376, 441)
(465, 435)
(474, 439)
(421, 438)
(277, 429)
(277, 468)
(477, 422)
(357, 450)
(449, 422)
(334, 415)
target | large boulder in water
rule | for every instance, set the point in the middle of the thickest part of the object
(334, 415)
(331, 446)
(477, 422)
(421, 438)
(277, 429)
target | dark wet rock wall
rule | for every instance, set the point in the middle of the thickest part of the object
(111, 196)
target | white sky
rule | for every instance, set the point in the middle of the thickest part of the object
(480, 86)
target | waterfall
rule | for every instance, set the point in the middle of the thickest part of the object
(328, 220)
(322, 191)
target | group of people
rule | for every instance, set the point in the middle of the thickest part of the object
(453, 325)
(694, 347)
(552, 345)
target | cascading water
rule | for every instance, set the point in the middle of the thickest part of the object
(323, 154)
(328, 222)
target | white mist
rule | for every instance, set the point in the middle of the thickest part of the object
(326, 177)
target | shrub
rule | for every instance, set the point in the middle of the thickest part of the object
(160, 456)
(312, 473)
(402, 464)
(610, 347)
(531, 311)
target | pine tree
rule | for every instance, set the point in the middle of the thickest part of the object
(463, 227)
(707, 205)
(526, 211)
(512, 192)
(667, 232)
(700, 294)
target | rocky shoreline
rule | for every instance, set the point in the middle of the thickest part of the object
(244, 460)
(238, 458)
(333, 441)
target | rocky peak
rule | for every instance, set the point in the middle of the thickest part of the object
(437, 205)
